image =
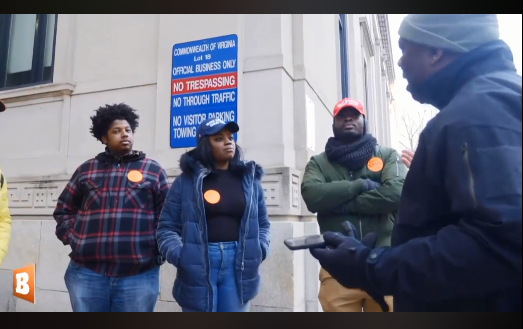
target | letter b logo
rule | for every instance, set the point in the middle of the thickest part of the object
(24, 283)
(22, 286)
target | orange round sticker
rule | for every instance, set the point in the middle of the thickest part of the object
(375, 164)
(135, 176)
(212, 196)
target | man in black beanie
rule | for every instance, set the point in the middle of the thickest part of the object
(457, 243)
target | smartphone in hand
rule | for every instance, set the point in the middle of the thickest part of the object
(305, 242)
(316, 241)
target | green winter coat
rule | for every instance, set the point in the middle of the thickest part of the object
(337, 195)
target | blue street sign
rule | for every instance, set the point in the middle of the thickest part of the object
(204, 85)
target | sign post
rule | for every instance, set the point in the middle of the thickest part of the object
(204, 85)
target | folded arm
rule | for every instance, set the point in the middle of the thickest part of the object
(320, 195)
(384, 199)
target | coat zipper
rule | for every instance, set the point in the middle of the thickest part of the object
(206, 259)
(397, 167)
(246, 231)
(117, 195)
(359, 218)
(107, 183)
(469, 173)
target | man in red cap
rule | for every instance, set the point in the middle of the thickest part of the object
(354, 180)
(5, 217)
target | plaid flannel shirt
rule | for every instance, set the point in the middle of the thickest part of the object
(108, 213)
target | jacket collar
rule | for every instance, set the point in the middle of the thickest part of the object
(439, 89)
(108, 157)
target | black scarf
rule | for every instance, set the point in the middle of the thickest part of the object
(352, 156)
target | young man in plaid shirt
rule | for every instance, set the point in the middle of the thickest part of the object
(108, 213)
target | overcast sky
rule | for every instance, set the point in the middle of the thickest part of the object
(510, 29)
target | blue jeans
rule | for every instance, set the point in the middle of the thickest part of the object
(93, 292)
(223, 278)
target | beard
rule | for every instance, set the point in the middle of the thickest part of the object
(341, 135)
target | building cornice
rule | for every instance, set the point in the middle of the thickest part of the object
(383, 20)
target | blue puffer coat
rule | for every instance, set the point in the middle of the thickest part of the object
(182, 235)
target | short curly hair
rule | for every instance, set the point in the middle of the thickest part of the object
(106, 115)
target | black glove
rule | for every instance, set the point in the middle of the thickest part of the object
(345, 258)
(371, 185)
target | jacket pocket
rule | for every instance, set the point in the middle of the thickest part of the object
(92, 194)
(470, 174)
(138, 195)
(263, 253)
(488, 178)
(193, 297)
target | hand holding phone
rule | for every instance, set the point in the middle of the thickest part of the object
(305, 242)
(316, 241)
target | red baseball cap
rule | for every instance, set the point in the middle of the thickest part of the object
(2, 106)
(349, 102)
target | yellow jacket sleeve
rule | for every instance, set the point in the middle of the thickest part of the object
(5, 220)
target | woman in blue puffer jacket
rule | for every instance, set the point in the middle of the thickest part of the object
(214, 226)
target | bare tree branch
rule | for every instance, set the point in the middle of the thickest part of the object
(405, 146)
(413, 123)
